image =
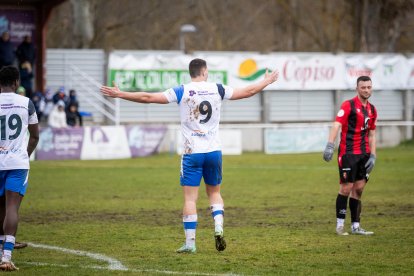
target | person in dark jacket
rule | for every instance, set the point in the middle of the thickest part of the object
(73, 99)
(73, 118)
(7, 55)
(26, 51)
(26, 78)
(60, 95)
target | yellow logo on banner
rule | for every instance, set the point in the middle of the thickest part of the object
(248, 70)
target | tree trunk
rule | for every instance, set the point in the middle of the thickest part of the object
(83, 30)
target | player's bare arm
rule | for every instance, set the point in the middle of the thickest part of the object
(253, 89)
(33, 139)
(334, 132)
(372, 142)
(139, 97)
(330, 146)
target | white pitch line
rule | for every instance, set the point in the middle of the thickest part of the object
(113, 264)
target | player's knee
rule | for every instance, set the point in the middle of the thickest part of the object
(358, 192)
(190, 201)
(345, 189)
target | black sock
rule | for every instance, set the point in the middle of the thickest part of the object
(341, 203)
(355, 207)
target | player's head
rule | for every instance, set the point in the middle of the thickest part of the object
(198, 68)
(363, 78)
(9, 77)
(5, 36)
(364, 87)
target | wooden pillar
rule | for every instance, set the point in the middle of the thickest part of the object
(43, 11)
(408, 113)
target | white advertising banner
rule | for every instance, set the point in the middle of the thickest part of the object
(108, 142)
(231, 142)
(300, 71)
(296, 72)
(295, 140)
(411, 78)
(386, 71)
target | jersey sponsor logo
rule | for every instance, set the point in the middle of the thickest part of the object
(341, 113)
(358, 110)
(206, 93)
(198, 133)
(192, 93)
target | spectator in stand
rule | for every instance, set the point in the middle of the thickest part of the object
(7, 55)
(60, 96)
(73, 100)
(39, 102)
(73, 117)
(48, 104)
(26, 51)
(57, 117)
(26, 77)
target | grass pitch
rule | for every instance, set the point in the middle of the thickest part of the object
(279, 217)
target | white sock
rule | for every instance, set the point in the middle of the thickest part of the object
(355, 225)
(8, 248)
(340, 222)
(190, 225)
(217, 211)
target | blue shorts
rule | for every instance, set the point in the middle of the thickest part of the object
(14, 180)
(207, 165)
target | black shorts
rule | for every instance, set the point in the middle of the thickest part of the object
(352, 167)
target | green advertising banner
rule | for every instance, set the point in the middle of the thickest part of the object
(157, 80)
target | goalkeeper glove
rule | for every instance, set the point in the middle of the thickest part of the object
(328, 153)
(370, 163)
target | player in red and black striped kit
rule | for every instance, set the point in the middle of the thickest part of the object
(357, 153)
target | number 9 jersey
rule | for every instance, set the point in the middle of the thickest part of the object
(200, 106)
(16, 113)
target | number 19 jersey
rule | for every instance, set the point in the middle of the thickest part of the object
(200, 106)
(16, 113)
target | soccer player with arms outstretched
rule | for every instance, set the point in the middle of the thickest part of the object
(200, 105)
(357, 153)
(17, 116)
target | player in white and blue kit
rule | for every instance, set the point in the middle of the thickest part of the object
(200, 104)
(17, 116)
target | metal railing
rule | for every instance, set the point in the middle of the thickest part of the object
(108, 108)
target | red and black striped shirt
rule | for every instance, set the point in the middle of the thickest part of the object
(356, 120)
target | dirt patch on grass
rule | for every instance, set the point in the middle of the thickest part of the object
(234, 217)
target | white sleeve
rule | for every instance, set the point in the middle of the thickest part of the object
(228, 92)
(170, 95)
(33, 119)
